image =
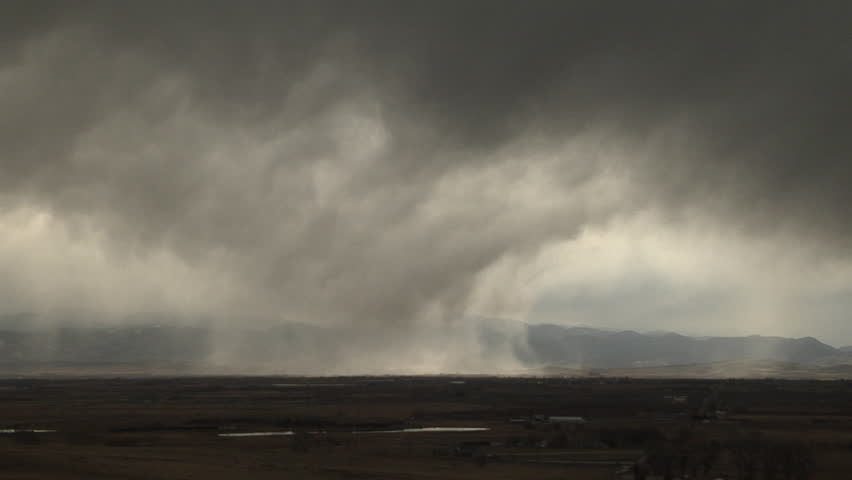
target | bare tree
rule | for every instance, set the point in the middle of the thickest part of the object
(747, 454)
(773, 456)
(797, 462)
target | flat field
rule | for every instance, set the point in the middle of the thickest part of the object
(354, 427)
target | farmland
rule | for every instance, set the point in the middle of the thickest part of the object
(422, 427)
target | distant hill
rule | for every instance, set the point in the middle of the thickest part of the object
(729, 369)
(165, 344)
(589, 348)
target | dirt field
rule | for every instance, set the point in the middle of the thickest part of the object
(343, 428)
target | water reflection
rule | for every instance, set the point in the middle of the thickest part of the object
(257, 434)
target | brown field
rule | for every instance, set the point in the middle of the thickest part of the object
(168, 428)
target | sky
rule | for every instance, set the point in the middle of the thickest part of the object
(399, 167)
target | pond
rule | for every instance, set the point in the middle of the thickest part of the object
(404, 430)
(430, 429)
(257, 434)
(25, 430)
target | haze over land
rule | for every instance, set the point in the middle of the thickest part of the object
(389, 171)
(158, 344)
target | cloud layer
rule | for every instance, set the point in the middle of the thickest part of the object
(390, 166)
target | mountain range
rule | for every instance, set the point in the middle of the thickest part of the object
(589, 347)
(161, 344)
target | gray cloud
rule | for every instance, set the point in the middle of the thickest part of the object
(372, 162)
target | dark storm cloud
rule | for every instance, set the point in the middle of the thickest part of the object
(368, 160)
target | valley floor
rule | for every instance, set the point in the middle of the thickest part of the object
(344, 428)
